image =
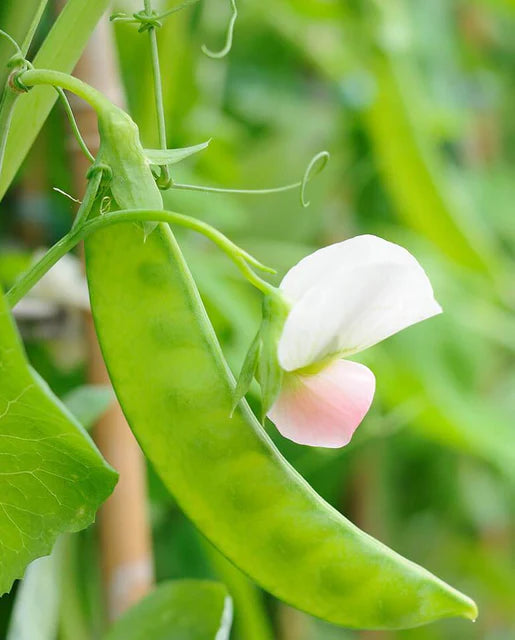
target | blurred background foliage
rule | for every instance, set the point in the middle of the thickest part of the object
(415, 101)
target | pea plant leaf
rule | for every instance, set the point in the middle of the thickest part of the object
(172, 156)
(182, 610)
(52, 478)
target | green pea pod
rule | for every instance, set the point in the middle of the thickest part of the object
(177, 394)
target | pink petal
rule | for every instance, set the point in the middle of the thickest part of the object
(324, 409)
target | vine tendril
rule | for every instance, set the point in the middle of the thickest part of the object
(312, 170)
(316, 165)
(18, 63)
(229, 38)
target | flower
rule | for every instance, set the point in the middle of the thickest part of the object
(342, 299)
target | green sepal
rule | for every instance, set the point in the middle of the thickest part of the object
(159, 157)
(248, 371)
(270, 372)
(147, 227)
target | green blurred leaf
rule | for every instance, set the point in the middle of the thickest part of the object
(413, 174)
(53, 478)
(182, 610)
(88, 403)
(251, 621)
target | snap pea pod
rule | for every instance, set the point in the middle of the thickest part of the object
(177, 393)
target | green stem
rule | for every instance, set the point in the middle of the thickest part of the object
(6, 112)
(158, 94)
(96, 99)
(207, 189)
(68, 242)
(315, 166)
(88, 200)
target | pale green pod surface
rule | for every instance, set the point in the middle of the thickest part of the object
(176, 391)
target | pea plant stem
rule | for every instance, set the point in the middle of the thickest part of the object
(158, 92)
(34, 77)
(240, 257)
(88, 201)
(6, 111)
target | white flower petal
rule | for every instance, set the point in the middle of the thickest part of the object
(355, 309)
(360, 251)
(324, 409)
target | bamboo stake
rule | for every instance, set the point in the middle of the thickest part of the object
(125, 536)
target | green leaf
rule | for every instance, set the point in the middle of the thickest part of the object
(182, 610)
(172, 156)
(89, 402)
(53, 478)
(60, 51)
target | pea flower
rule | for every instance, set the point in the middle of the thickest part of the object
(340, 300)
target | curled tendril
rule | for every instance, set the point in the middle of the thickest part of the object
(229, 37)
(316, 166)
(15, 82)
(18, 63)
(105, 205)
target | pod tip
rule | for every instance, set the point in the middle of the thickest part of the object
(470, 610)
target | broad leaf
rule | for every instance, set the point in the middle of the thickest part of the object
(52, 478)
(172, 156)
(60, 51)
(182, 610)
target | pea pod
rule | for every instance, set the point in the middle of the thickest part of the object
(177, 393)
